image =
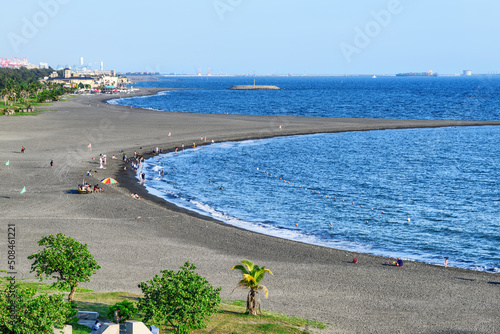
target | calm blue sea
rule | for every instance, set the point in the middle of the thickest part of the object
(419, 194)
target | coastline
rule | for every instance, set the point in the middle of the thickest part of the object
(310, 281)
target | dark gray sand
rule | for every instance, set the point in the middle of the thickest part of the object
(309, 281)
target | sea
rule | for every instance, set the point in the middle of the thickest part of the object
(419, 194)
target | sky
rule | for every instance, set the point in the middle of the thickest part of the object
(256, 36)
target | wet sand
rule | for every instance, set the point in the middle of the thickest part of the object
(309, 281)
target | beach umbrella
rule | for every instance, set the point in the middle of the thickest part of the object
(109, 180)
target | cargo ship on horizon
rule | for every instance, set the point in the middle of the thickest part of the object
(417, 74)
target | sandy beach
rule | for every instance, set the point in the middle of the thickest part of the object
(134, 239)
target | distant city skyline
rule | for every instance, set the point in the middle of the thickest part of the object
(247, 37)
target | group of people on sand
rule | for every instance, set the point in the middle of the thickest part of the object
(136, 162)
(87, 188)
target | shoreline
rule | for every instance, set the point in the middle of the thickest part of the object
(129, 181)
(310, 281)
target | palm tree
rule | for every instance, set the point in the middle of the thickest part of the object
(252, 275)
(9, 90)
(4, 94)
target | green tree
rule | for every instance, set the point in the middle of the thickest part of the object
(182, 300)
(64, 259)
(4, 94)
(126, 310)
(252, 276)
(23, 312)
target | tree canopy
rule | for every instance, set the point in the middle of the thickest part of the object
(64, 259)
(182, 300)
(23, 312)
(22, 74)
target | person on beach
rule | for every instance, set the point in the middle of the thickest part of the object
(22, 149)
(116, 316)
(51, 163)
(399, 262)
(446, 262)
(143, 178)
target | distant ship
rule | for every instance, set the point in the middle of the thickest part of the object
(417, 74)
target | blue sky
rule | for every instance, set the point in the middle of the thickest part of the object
(261, 36)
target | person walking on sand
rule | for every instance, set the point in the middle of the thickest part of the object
(446, 262)
(51, 163)
(22, 149)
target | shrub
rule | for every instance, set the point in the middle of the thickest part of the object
(126, 310)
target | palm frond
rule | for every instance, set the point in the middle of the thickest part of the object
(269, 271)
(250, 279)
(249, 264)
(259, 274)
(263, 288)
(241, 268)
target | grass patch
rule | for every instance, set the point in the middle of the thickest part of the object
(24, 105)
(41, 287)
(80, 329)
(233, 319)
